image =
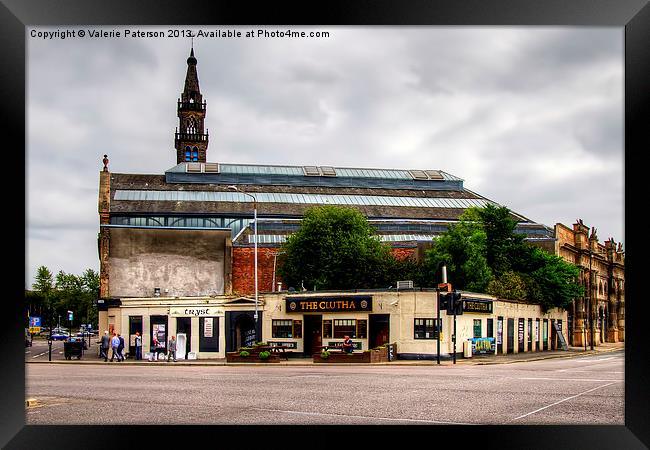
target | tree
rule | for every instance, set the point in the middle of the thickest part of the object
(39, 300)
(334, 248)
(462, 248)
(66, 292)
(483, 253)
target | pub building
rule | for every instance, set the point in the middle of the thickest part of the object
(177, 250)
(306, 322)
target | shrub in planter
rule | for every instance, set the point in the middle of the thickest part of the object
(244, 353)
(265, 355)
(324, 354)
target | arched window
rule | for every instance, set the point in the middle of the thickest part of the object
(187, 153)
(195, 154)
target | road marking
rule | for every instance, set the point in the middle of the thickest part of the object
(362, 417)
(569, 379)
(563, 400)
(590, 371)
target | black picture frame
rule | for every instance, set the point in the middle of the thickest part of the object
(633, 15)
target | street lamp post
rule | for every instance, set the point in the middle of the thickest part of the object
(591, 321)
(235, 188)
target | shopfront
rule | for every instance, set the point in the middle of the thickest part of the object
(203, 327)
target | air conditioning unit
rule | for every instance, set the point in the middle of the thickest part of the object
(156, 292)
(407, 284)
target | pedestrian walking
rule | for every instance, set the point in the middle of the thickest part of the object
(138, 346)
(115, 344)
(104, 346)
(172, 349)
(120, 348)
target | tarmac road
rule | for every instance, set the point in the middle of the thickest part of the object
(576, 390)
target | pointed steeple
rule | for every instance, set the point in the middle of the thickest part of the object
(191, 92)
(191, 142)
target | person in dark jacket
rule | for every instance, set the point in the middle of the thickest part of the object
(120, 348)
(104, 346)
(347, 344)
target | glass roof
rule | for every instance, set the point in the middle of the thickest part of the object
(282, 197)
(339, 172)
(281, 238)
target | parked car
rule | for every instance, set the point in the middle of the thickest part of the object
(59, 337)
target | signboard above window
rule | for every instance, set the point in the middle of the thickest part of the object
(336, 303)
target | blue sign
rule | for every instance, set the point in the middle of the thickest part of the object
(34, 321)
(483, 346)
(70, 316)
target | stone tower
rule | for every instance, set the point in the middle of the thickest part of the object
(191, 142)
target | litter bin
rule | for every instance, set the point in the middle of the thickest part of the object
(72, 348)
(467, 348)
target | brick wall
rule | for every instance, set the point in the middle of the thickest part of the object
(243, 268)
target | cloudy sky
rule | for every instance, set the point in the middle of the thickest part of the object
(530, 117)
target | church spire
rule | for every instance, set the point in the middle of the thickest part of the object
(191, 142)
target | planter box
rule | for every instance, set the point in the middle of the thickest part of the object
(340, 357)
(372, 356)
(252, 358)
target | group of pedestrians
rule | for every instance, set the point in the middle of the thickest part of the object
(116, 344)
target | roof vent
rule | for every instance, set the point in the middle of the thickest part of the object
(211, 167)
(434, 175)
(426, 174)
(311, 171)
(408, 284)
(328, 171)
(419, 174)
(193, 167)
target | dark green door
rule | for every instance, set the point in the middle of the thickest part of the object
(511, 336)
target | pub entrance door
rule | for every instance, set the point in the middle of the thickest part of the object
(312, 336)
(379, 333)
(184, 325)
(511, 336)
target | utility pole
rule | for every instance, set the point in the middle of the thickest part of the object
(444, 282)
(591, 321)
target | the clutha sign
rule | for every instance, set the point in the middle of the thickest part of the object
(336, 303)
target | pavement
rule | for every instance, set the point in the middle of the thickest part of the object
(91, 358)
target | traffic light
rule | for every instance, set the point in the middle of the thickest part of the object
(454, 304)
(458, 303)
(444, 301)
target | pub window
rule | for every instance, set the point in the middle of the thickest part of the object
(490, 328)
(327, 328)
(282, 328)
(345, 327)
(297, 328)
(425, 329)
(477, 328)
(362, 327)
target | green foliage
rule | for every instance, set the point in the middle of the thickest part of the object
(264, 355)
(52, 297)
(509, 285)
(334, 248)
(324, 354)
(483, 253)
(244, 353)
(462, 249)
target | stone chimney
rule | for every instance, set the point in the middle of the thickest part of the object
(580, 233)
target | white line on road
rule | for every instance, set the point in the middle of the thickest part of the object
(361, 417)
(569, 379)
(563, 400)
